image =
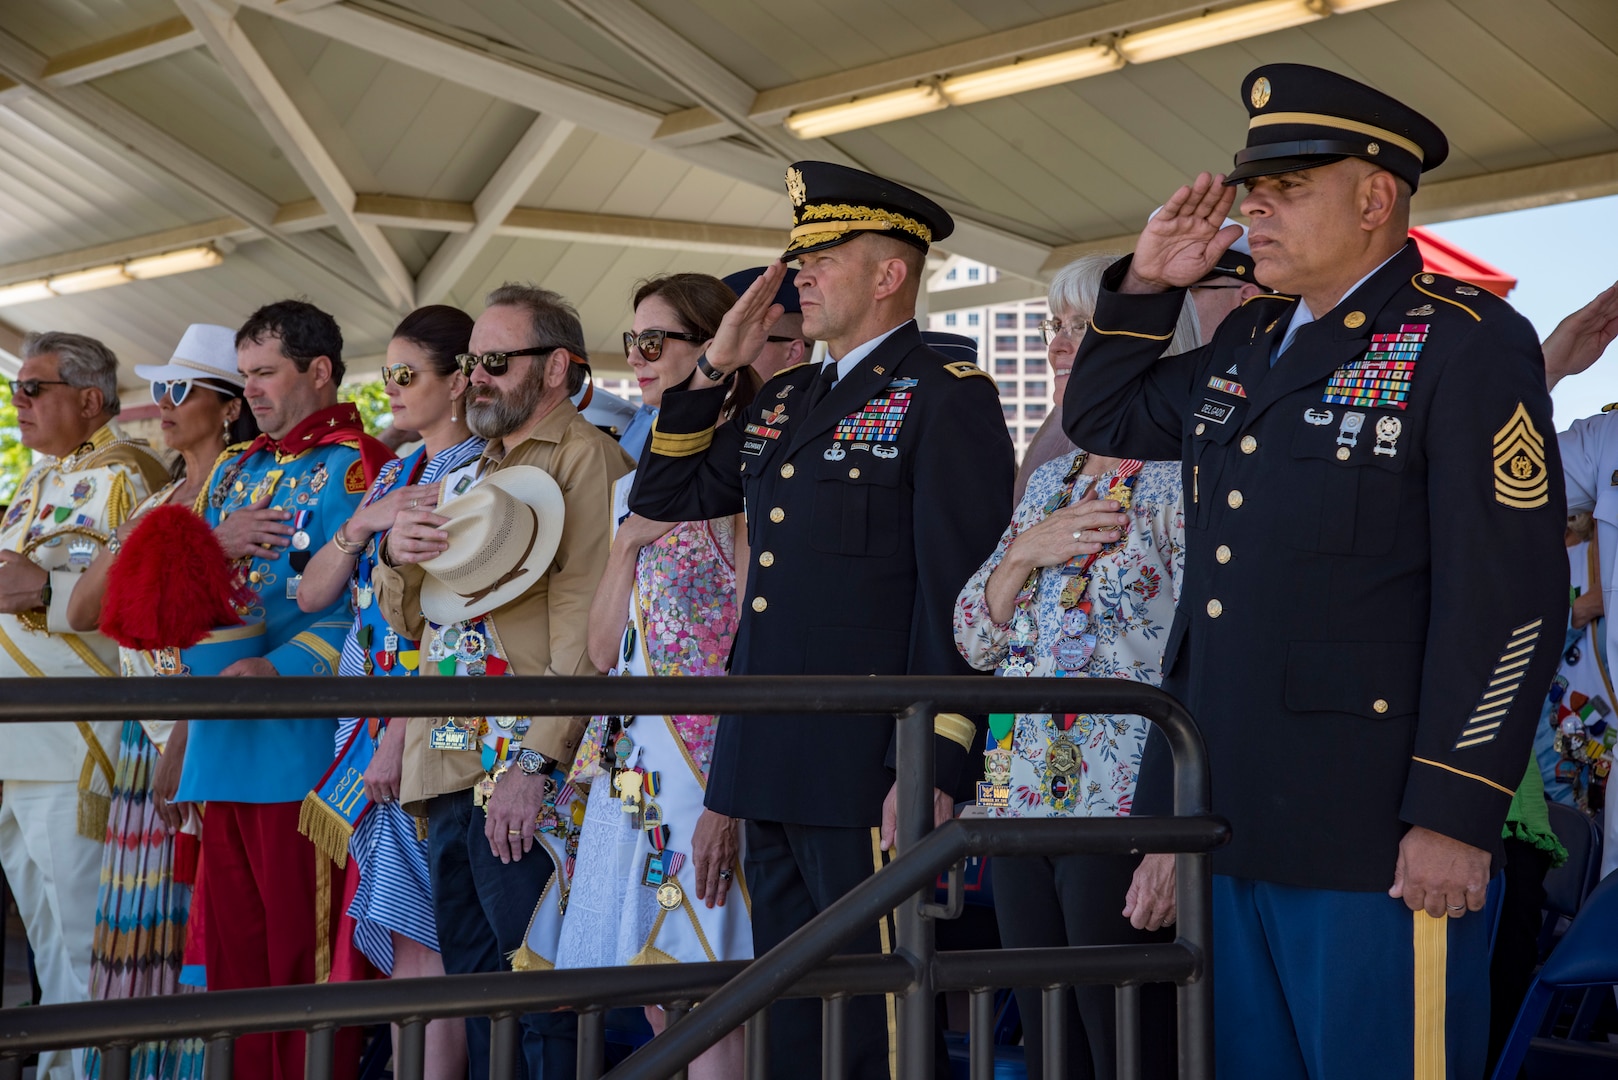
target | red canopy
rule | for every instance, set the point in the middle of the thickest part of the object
(1442, 257)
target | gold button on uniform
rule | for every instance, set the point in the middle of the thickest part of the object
(759, 603)
(853, 474)
(787, 470)
(778, 515)
(1215, 609)
(1222, 553)
(1201, 428)
(1249, 444)
(1342, 453)
(766, 558)
(1380, 705)
(1234, 499)
(1354, 320)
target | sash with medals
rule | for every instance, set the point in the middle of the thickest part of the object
(331, 811)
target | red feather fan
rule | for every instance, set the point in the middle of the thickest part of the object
(171, 584)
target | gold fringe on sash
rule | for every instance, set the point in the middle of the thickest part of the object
(325, 828)
(322, 920)
(95, 808)
(526, 959)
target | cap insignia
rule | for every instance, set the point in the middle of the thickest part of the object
(795, 187)
(1260, 94)
(1373, 149)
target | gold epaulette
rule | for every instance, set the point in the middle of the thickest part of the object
(1609, 406)
(136, 454)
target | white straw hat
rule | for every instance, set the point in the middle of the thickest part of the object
(205, 351)
(503, 535)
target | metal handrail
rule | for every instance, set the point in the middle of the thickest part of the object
(731, 993)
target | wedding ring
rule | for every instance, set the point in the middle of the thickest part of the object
(725, 875)
(414, 503)
(1078, 534)
(513, 832)
(1456, 907)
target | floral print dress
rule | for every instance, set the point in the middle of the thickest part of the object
(1134, 587)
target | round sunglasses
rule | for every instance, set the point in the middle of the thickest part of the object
(401, 375)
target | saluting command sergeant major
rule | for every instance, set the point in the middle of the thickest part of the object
(873, 487)
(1375, 580)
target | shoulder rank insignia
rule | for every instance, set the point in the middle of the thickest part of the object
(1611, 405)
(1520, 478)
(354, 478)
(963, 369)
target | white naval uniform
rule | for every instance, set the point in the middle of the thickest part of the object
(1590, 464)
(63, 512)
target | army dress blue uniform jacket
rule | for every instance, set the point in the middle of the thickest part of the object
(859, 547)
(271, 761)
(1375, 582)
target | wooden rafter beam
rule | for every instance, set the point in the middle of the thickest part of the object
(567, 226)
(275, 109)
(119, 53)
(516, 174)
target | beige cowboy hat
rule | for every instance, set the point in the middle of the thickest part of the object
(503, 535)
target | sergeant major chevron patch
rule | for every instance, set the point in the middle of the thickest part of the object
(1520, 477)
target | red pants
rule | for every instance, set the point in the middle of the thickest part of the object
(259, 920)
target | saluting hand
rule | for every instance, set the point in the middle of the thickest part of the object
(743, 331)
(1184, 241)
(1579, 340)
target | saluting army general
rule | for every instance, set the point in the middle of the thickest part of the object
(1375, 582)
(58, 777)
(873, 487)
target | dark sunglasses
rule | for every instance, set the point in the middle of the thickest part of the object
(496, 363)
(650, 342)
(401, 374)
(30, 387)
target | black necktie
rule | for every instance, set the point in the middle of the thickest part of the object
(823, 383)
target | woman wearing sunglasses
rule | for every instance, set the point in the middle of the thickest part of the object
(142, 911)
(666, 606)
(391, 902)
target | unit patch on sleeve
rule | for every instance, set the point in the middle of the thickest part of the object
(1521, 480)
(354, 478)
(1381, 378)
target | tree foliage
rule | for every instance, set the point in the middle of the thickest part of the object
(15, 458)
(371, 399)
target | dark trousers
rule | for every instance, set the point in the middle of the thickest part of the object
(1076, 900)
(482, 908)
(794, 872)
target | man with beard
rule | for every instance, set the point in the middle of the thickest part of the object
(527, 360)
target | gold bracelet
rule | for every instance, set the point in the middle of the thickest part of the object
(342, 542)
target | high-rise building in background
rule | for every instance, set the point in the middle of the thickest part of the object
(1009, 343)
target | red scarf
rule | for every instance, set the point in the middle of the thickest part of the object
(325, 427)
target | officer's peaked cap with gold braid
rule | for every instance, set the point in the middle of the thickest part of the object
(832, 204)
(1301, 117)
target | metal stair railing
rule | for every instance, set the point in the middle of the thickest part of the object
(731, 994)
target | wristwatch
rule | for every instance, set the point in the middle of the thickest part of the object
(114, 543)
(45, 593)
(532, 761)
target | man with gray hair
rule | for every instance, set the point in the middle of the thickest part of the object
(89, 475)
(482, 785)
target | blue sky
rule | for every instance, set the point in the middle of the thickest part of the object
(1561, 256)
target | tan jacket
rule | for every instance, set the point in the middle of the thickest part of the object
(542, 632)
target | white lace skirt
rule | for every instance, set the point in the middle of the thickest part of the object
(614, 918)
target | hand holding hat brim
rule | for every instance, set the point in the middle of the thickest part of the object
(1184, 241)
(503, 534)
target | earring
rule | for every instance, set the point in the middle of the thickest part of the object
(452, 415)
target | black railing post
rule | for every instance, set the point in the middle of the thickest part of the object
(833, 1037)
(504, 1046)
(915, 932)
(410, 1053)
(10, 1067)
(1053, 1018)
(1127, 1030)
(592, 1055)
(317, 1053)
(115, 1062)
(755, 1045)
(980, 1035)
(218, 1060)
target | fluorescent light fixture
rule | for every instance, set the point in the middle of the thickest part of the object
(1032, 74)
(866, 112)
(24, 291)
(173, 262)
(1219, 28)
(98, 277)
(1343, 7)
